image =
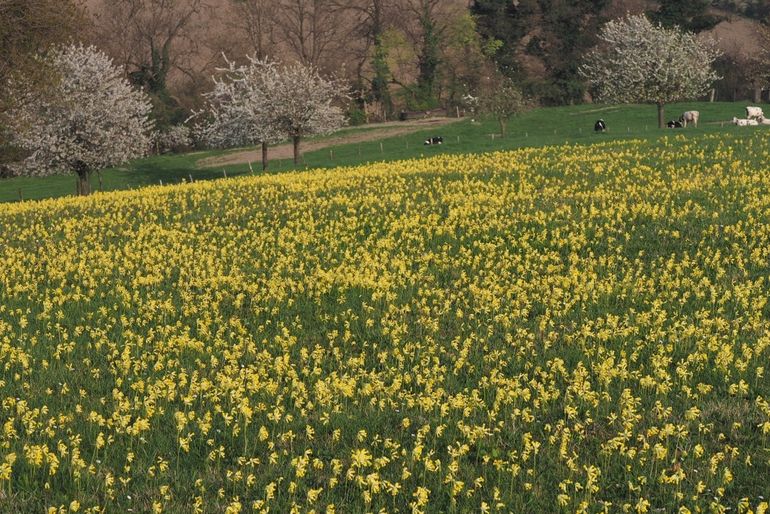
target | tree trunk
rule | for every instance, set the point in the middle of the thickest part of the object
(264, 156)
(84, 184)
(502, 126)
(757, 95)
(428, 59)
(661, 115)
(297, 156)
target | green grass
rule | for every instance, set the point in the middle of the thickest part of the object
(540, 127)
(586, 298)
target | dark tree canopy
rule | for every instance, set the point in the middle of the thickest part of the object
(566, 29)
(689, 15)
(504, 21)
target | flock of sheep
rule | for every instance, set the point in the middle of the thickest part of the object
(754, 116)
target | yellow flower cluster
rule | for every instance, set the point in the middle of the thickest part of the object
(565, 329)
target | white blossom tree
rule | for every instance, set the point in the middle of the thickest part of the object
(91, 118)
(639, 62)
(239, 109)
(503, 101)
(173, 139)
(304, 103)
(264, 103)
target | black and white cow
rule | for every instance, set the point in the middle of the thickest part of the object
(674, 124)
(600, 126)
(435, 140)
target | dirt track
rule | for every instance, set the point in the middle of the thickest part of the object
(286, 151)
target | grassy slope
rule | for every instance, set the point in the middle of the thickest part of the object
(537, 128)
(666, 240)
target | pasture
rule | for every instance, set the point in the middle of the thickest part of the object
(566, 328)
(540, 127)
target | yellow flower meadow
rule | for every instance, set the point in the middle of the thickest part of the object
(564, 329)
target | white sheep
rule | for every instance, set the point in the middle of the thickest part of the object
(754, 113)
(743, 122)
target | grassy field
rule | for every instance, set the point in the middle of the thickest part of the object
(560, 329)
(540, 127)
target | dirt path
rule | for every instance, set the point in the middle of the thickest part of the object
(286, 151)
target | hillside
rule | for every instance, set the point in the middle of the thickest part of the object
(377, 142)
(567, 328)
(540, 127)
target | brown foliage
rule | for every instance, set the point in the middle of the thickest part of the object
(29, 27)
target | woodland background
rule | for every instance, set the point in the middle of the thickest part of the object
(396, 54)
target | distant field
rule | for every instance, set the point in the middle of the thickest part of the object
(561, 329)
(540, 127)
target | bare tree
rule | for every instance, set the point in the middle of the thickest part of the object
(762, 78)
(371, 18)
(314, 31)
(751, 60)
(29, 28)
(256, 19)
(425, 23)
(151, 38)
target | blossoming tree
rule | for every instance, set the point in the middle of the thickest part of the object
(90, 119)
(639, 62)
(263, 103)
(304, 103)
(503, 101)
(239, 110)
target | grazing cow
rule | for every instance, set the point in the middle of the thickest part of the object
(674, 124)
(689, 117)
(754, 113)
(435, 140)
(600, 126)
